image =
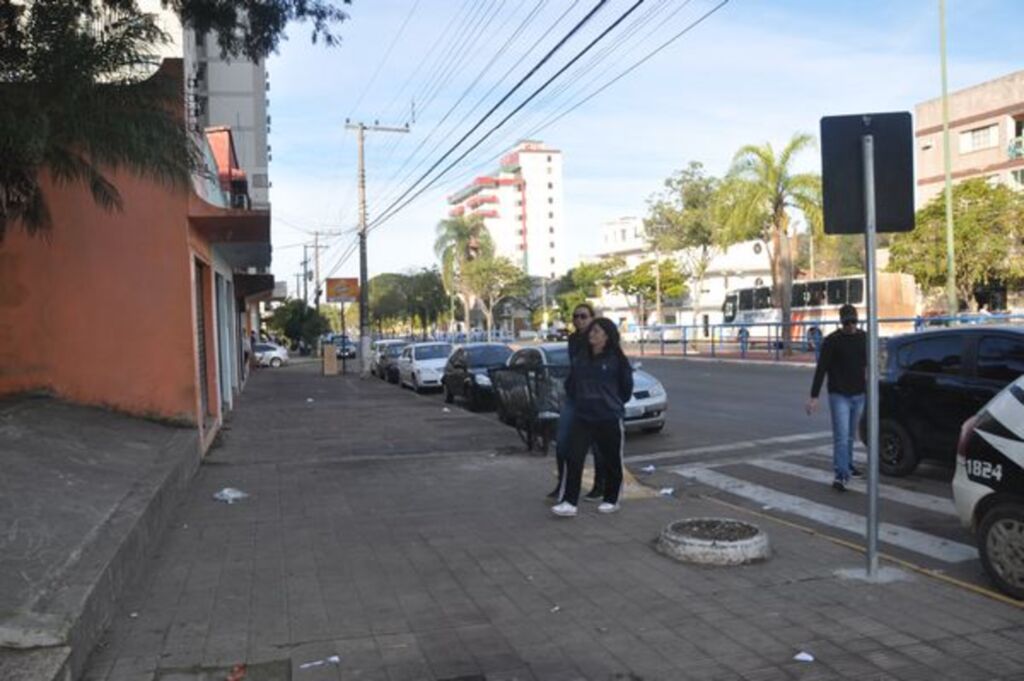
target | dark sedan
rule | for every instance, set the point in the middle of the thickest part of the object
(934, 381)
(465, 374)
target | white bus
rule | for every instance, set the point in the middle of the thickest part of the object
(816, 306)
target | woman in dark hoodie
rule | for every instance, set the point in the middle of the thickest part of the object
(599, 384)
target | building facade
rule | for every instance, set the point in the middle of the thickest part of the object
(986, 128)
(522, 206)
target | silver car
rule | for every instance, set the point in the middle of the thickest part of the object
(379, 354)
(270, 354)
(645, 412)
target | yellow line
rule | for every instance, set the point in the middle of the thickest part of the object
(928, 572)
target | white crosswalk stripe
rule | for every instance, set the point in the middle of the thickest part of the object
(941, 549)
(730, 447)
(928, 502)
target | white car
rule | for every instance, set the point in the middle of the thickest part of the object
(421, 365)
(270, 355)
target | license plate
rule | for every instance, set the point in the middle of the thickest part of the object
(634, 412)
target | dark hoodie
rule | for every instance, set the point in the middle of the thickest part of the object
(600, 386)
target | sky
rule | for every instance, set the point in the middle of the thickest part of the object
(754, 71)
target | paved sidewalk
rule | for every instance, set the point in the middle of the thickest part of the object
(363, 539)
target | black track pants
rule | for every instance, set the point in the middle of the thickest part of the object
(607, 437)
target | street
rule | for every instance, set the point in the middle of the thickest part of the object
(739, 432)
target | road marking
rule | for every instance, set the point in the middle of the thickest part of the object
(896, 535)
(928, 502)
(733, 446)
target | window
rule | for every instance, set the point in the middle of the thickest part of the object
(551, 185)
(552, 244)
(519, 217)
(519, 187)
(519, 232)
(552, 231)
(816, 294)
(856, 292)
(262, 347)
(836, 292)
(552, 261)
(519, 202)
(799, 295)
(939, 355)
(519, 247)
(622, 235)
(551, 200)
(551, 215)
(549, 158)
(1001, 358)
(1017, 179)
(977, 139)
(762, 298)
(747, 299)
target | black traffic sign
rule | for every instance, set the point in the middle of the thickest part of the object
(842, 172)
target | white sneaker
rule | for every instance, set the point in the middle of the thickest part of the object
(564, 509)
(607, 508)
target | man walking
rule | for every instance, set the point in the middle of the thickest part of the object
(844, 360)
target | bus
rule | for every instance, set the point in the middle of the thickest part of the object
(816, 306)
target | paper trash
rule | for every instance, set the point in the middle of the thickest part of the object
(667, 491)
(803, 657)
(649, 468)
(230, 495)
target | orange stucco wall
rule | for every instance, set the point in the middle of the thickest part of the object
(100, 310)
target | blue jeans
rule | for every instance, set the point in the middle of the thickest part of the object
(846, 411)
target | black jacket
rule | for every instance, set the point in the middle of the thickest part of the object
(844, 358)
(600, 386)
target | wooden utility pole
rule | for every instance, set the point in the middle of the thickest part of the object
(317, 247)
(364, 311)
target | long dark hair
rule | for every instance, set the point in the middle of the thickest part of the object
(614, 344)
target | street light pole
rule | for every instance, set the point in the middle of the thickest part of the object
(951, 297)
(364, 299)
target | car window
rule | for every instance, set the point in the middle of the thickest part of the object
(489, 355)
(762, 298)
(433, 351)
(836, 292)
(394, 350)
(939, 355)
(558, 358)
(406, 353)
(262, 347)
(747, 299)
(1001, 358)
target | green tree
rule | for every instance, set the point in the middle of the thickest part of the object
(757, 200)
(425, 297)
(989, 225)
(582, 283)
(297, 321)
(77, 101)
(387, 300)
(681, 218)
(459, 241)
(640, 284)
(491, 279)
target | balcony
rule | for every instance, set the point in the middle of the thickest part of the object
(1016, 148)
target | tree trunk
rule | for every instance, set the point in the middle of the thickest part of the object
(786, 266)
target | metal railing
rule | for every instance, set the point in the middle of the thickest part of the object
(766, 340)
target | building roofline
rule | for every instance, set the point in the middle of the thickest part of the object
(977, 86)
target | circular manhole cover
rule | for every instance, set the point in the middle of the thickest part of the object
(714, 541)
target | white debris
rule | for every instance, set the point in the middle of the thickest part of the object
(333, 659)
(803, 657)
(134, 615)
(649, 468)
(667, 491)
(230, 495)
(557, 608)
(446, 410)
(310, 399)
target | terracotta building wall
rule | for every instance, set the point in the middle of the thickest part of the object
(100, 310)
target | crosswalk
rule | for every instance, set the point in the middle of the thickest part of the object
(791, 477)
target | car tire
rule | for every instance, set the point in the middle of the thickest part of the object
(472, 401)
(448, 397)
(415, 385)
(897, 455)
(1001, 543)
(276, 362)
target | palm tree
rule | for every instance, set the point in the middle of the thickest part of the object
(757, 198)
(77, 102)
(459, 241)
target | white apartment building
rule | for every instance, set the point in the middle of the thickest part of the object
(522, 206)
(738, 266)
(220, 92)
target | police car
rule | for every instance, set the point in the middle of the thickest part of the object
(989, 486)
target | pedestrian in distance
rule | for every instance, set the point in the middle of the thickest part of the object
(600, 383)
(844, 361)
(582, 316)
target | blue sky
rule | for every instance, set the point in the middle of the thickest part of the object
(756, 71)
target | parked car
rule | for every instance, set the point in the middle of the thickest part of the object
(989, 486)
(389, 362)
(270, 354)
(421, 365)
(465, 373)
(379, 354)
(344, 348)
(645, 411)
(932, 382)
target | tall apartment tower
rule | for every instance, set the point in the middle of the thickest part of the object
(522, 206)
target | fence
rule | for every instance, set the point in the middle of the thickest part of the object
(766, 340)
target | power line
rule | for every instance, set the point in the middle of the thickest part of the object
(385, 58)
(547, 57)
(391, 211)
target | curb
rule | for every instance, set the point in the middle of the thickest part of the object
(62, 627)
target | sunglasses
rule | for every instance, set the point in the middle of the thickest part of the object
(583, 315)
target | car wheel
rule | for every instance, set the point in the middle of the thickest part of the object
(415, 384)
(275, 362)
(448, 397)
(896, 450)
(472, 400)
(1001, 544)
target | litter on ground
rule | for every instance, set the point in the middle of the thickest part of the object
(649, 468)
(667, 491)
(230, 495)
(803, 657)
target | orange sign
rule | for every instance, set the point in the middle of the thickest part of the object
(342, 290)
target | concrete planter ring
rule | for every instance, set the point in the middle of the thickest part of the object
(714, 541)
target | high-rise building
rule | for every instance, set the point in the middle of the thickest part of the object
(986, 129)
(522, 206)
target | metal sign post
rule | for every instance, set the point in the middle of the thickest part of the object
(870, 232)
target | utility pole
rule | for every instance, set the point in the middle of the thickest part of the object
(305, 274)
(364, 307)
(317, 247)
(951, 297)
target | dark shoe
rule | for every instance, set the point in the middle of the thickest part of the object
(856, 472)
(594, 495)
(839, 485)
